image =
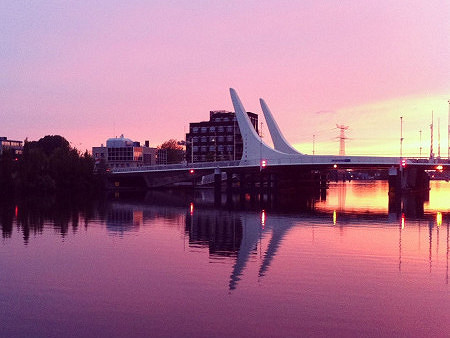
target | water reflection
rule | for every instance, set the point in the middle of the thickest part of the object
(248, 235)
(33, 214)
(162, 258)
(238, 230)
(217, 230)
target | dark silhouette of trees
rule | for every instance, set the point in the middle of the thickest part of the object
(8, 172)
(175, 151)
(48, 165)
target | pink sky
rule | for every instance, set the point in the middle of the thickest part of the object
(92, 70)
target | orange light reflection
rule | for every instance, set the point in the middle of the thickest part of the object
(263, 218)
(439, 218)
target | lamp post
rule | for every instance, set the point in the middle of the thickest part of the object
(314, 144)
(192, 149)
(401, 138)
(234, 138)
(420, 149)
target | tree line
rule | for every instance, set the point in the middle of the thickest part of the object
(47, 166)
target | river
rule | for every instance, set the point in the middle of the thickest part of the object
(174, 264)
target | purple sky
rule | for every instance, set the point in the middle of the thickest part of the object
(90, 70)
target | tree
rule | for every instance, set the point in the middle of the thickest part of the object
(50, 143)
(175, 151)
(51, 164)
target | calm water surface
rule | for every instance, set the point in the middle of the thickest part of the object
(175, 265)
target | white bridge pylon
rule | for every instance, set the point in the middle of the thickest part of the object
(254, 148)
(279, 142)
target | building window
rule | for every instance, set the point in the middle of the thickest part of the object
(212, 148)
(212, 129)
(195, 130)
(203, 139)
(221, 129)
(204, 130)
(220, 139)
(230, 138)
(229, 129)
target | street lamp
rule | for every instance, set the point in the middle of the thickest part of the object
(401, 137)
(191, 142)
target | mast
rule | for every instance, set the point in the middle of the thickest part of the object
(401, 137)
(439, 137)
(431, 140)
(420, 149)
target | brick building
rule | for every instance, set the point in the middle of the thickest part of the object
(218, 139)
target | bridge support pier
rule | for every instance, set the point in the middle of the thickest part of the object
(217, 186)
(252, 189)
(415, 179)
(395, 183)
(242, 184)
(408, 189)
(229, 188)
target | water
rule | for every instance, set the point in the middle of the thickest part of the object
(175, 265)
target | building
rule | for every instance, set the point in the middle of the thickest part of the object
(170, 156)
(161, 157)
(15, 146)
(218, 139)
(123, 152)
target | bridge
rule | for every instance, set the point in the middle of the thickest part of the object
(263, 166)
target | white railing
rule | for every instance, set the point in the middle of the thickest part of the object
(178, 166)
(292, 160)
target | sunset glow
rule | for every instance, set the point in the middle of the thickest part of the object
(225, 168)
(90, 71)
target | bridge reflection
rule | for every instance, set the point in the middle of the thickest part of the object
(246, 233)
(244, 230)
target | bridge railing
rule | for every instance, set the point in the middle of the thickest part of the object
(303, 159)
(162, 167)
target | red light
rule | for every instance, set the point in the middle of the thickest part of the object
(403, 163)
(335, 166)
(191, 171)
(263, 163)
(191, 208)
(440, 167)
